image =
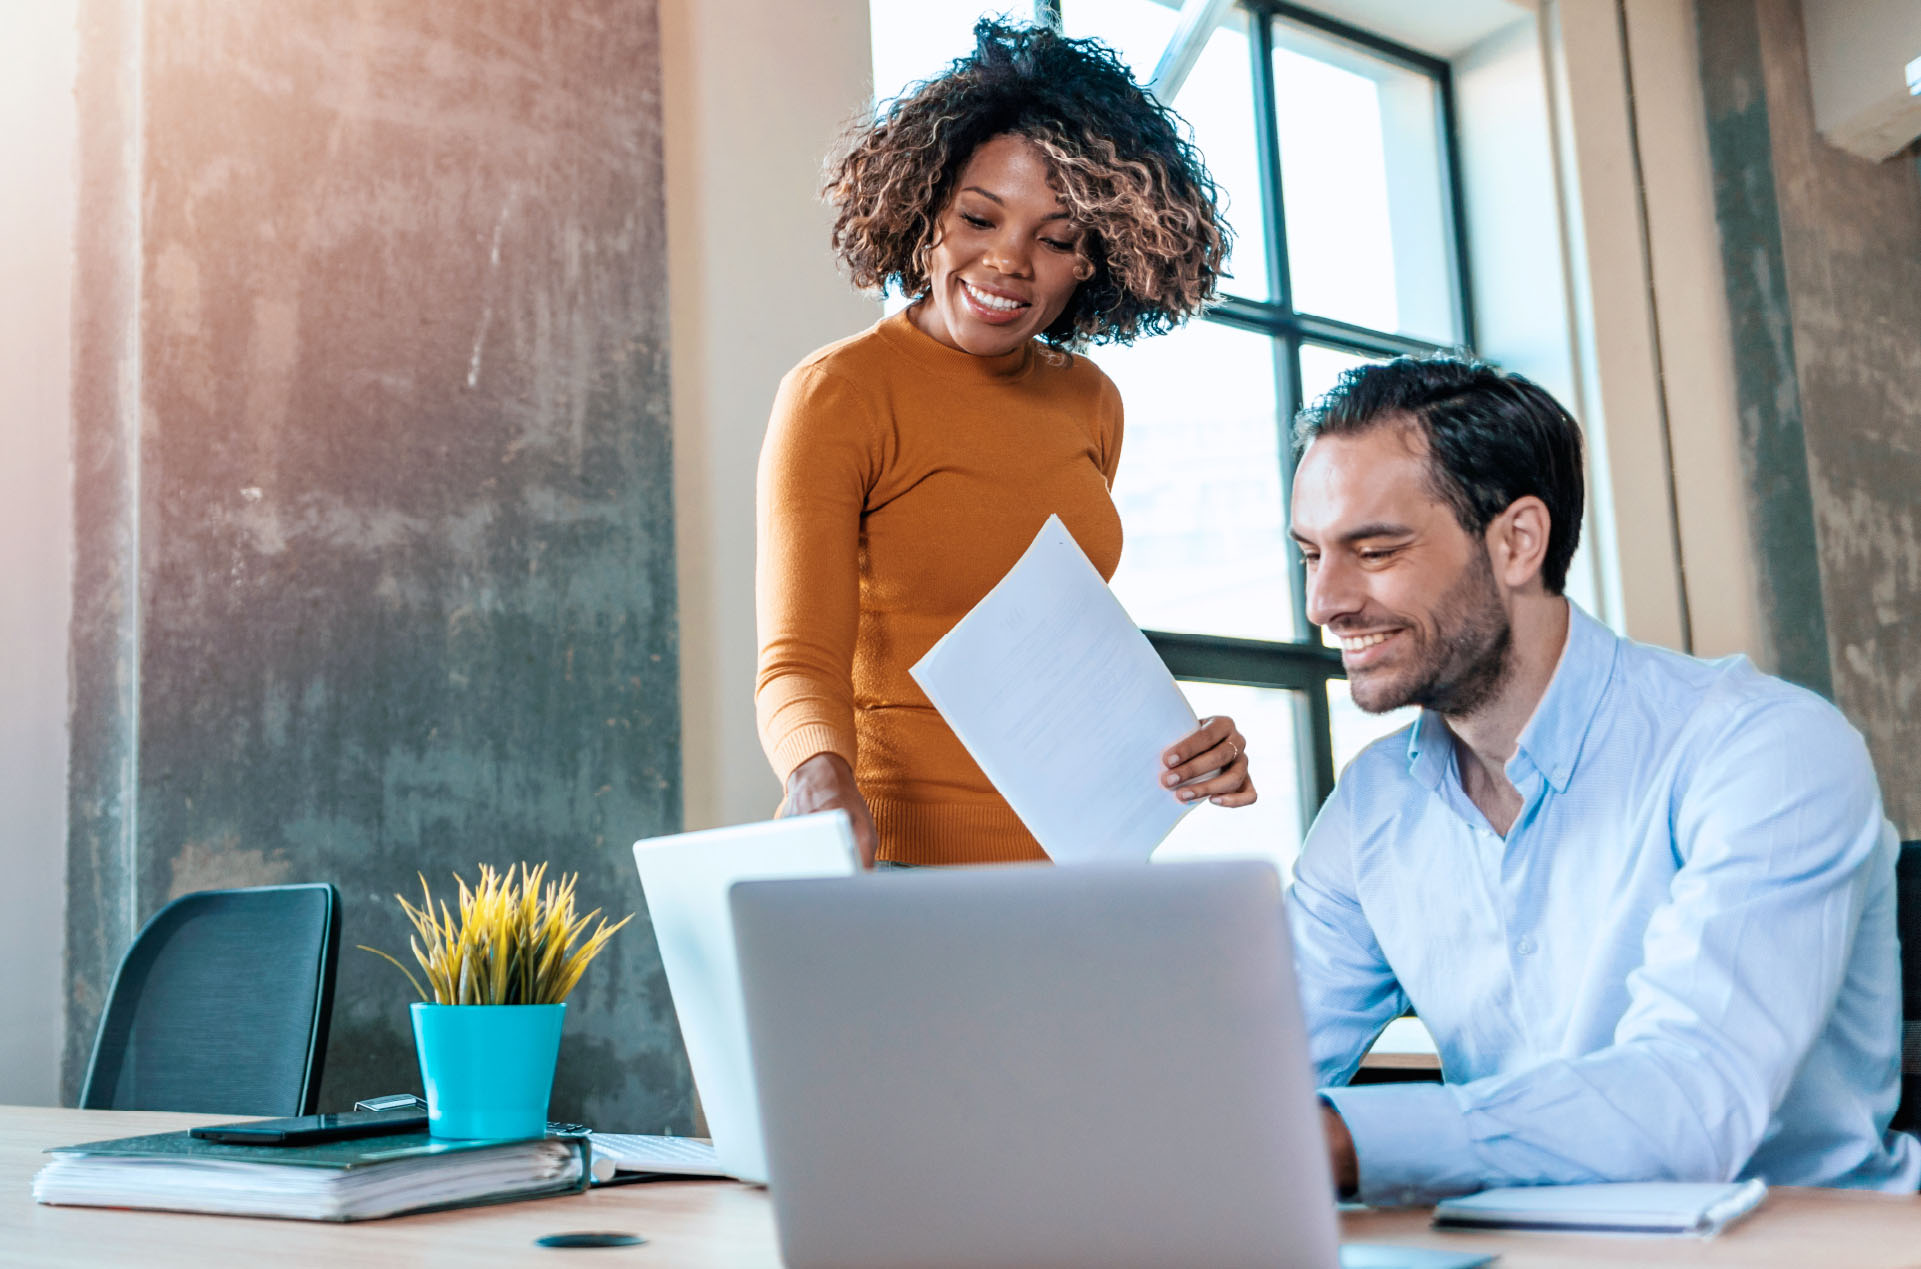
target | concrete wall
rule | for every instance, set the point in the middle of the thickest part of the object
(1858, 53)
(36, 532)
(375, 561)
(1823, 256)
(1851, 229)
(756, 91)
(752, 288)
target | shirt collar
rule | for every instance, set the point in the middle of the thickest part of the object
(1428, 744)
(1551, 742)
(1552, 738)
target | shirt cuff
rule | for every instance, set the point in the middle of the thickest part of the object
(1411, 1143)
(804, 742)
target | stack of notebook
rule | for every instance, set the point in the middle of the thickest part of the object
(330, 1181)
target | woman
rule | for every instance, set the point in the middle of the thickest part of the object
(1033, 199)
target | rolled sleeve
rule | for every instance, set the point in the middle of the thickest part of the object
(1411, 1142)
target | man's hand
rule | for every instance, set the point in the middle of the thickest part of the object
(1340, 1152)
(1216, 747)
(826, 783)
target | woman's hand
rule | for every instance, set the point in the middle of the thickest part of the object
(826, 783)
(1217, 747)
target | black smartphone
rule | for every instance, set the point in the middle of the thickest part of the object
(302, 1130)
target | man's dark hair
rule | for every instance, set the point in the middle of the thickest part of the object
(1492, 437)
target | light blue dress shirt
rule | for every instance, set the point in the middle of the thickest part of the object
(1679, 964)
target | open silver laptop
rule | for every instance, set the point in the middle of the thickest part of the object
(686, 879)
(1028, 1066)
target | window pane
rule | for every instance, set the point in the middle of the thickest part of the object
(1217, 99)
(1199, 489)
(1354, 728)
(1271, 828)
(1136, 29)
(916, 39)
(1363, 183)
(1321, 366)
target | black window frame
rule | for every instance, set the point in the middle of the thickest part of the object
(1307, 666)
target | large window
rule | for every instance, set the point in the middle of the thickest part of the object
(1334, 150)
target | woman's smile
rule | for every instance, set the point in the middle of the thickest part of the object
(993, 306)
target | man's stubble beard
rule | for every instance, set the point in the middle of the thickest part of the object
(1462, 668)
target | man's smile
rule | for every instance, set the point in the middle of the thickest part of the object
(1358, 651)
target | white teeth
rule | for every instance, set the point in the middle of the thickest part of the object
(1357, 642)
(994, 302)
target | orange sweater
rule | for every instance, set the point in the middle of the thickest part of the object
(899, 481)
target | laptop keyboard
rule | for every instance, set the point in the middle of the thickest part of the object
(633, 1152)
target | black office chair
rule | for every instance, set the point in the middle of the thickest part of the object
(1907, 906)
(221, 1005)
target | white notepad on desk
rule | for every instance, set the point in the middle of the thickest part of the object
(655, 1155)
(1639, 1207)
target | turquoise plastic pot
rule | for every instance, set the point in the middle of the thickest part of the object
(488, 1068)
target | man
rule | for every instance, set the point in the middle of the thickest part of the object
(1644, 903)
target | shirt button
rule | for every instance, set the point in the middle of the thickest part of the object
(1524, 945)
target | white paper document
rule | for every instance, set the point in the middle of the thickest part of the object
(1064, 704)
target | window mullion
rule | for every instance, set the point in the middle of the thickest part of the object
(1249, 662)
(1313, 728)
(1271, 319)
(1450, 140)
(1288, 367)
(1267, 139)
(1314, 732)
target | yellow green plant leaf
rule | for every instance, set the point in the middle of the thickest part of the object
(512, 937)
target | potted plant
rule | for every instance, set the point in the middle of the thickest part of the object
(487, 1025)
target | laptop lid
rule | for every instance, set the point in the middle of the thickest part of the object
(1026, 1066)
(685, 879)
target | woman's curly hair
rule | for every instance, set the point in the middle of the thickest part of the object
(1151, 233)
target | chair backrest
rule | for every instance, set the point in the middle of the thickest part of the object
(1907, 904)
(221, 1006)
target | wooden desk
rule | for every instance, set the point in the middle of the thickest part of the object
(724, 1226)
(1404, 1046)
